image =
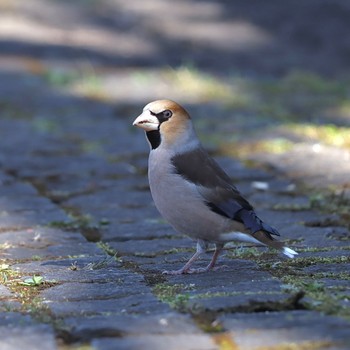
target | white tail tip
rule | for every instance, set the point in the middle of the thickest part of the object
(289, 252)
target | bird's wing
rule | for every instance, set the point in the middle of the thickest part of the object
(217, 190)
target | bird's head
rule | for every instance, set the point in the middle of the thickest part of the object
(164, 121)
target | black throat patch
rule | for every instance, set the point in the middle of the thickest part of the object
(153, 137)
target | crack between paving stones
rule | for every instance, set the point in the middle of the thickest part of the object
(206, 320)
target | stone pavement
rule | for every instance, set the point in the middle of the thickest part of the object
(83, 247)
(75, 210)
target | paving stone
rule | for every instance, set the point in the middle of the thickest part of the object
(10, 305)
(88, 269)
(153, 246)
(116, 206)
(282, 220)
(62, 186)
(329, 268)
(157, 342)
(336, 253)
(260, 282)
(58, 251)
(5, 180)
(137, 230)
(86, 328)
(25, 203)
(282, 186)
(293, 327)
(268, 200)
(122, 287)
(30, 218)
(116, 198)
(63, 165)
(304, 163)
(11, 319)
(237, 170)
(39, 237)
(16, 190)
(249, 302)
(144, 303)
(313, 236)
(5, 292)
(82, 153)
(30, 336)
(45, 243)
(175, 260)
(239, 285)
(236, 274)
(334, 283)
(126, 214)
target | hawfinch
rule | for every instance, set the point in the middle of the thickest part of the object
(192, 192)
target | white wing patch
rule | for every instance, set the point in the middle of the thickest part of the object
(289, 252)
(238, 236)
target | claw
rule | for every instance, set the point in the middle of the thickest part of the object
(188, 270)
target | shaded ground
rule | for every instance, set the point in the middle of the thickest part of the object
(267, 86)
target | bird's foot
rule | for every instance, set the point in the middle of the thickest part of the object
(174, 272)
(220, 267)
(208, 268)
(184, 271)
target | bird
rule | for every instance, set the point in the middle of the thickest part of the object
(192, 192)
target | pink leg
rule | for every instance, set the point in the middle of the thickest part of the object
(187, 268)
(218, 249)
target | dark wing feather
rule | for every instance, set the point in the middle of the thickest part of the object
(217, 190)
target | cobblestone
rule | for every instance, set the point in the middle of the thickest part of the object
(75, 207)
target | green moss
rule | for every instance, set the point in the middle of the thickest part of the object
(107, 248)
(83, 80)
(203, 85)
(100, 264)
(60, 77)
(298, 263)
(291, 207)
(173, 295)
(45, 125)
(311, 260)
(319, 249)
(333, 275)
(94, 147)
(317, 296)
(328, 134)
(81, 223)
(25, 291)
(208, 323)
(244, 253)
(36, 257)
(302, 92)
(241, 149)
(208, 295)
(333, 201)
(145, 254)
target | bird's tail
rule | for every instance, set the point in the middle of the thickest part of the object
(267, 239)
(289, 252)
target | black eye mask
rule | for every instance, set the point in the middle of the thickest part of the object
(163, 116)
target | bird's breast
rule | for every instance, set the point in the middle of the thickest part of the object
(179, 201)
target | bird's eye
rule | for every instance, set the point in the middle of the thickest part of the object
(167, 114)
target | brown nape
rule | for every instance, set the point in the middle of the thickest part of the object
(176, 126)
(172, 130)
(179, 110)
(265, 238)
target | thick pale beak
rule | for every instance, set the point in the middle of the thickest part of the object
(146, 121)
